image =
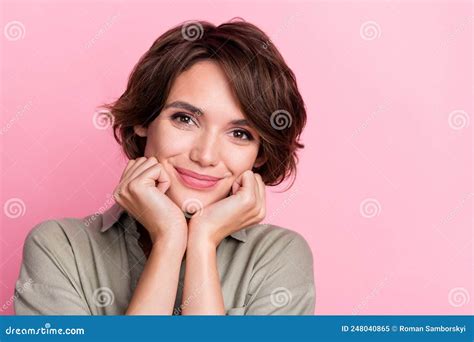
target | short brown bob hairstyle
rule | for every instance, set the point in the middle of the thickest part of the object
(262, 82)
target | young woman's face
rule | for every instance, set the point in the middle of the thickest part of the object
(198, 130)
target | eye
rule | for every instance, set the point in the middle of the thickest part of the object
(183, 119)
(242, 134)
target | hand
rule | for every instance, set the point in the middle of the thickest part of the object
(141, 192)
(244, 207)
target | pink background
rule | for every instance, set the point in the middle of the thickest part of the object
(384, 189)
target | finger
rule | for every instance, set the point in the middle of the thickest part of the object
(235, 187)
(261, 186)
(129, 165)
(260, 195)
(248, 182)
(142, 167)
(156, 173)
(262, 200)
(237, 184)
(136, 163)
(256, 186)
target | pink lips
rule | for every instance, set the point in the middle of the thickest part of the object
(196, 180)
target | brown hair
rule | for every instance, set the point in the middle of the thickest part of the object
(262, 82)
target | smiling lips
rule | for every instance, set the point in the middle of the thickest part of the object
(196, 180)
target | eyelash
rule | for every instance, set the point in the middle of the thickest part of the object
(177, 116)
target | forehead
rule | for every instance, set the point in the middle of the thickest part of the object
(205, 85)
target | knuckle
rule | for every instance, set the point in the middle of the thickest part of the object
(133, 185)
(117, 194)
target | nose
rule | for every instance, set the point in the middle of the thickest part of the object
(205, 150)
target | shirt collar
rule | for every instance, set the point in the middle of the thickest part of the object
(113, 214)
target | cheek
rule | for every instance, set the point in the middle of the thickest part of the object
(164, 142)
(239, 160)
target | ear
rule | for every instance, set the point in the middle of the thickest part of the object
(140, 130)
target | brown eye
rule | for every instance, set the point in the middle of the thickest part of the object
(242, 134)
(182, 118)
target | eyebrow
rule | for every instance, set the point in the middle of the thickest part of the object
(199, 112)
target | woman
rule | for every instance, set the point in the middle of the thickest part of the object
(209, 117)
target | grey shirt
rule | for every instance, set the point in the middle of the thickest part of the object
(91, 266)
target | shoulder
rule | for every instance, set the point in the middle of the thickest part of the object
(48, 232)
(46, 244)
(59, 233)
(282, 276)
(273, 242)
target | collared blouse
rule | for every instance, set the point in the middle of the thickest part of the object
(91, 266)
